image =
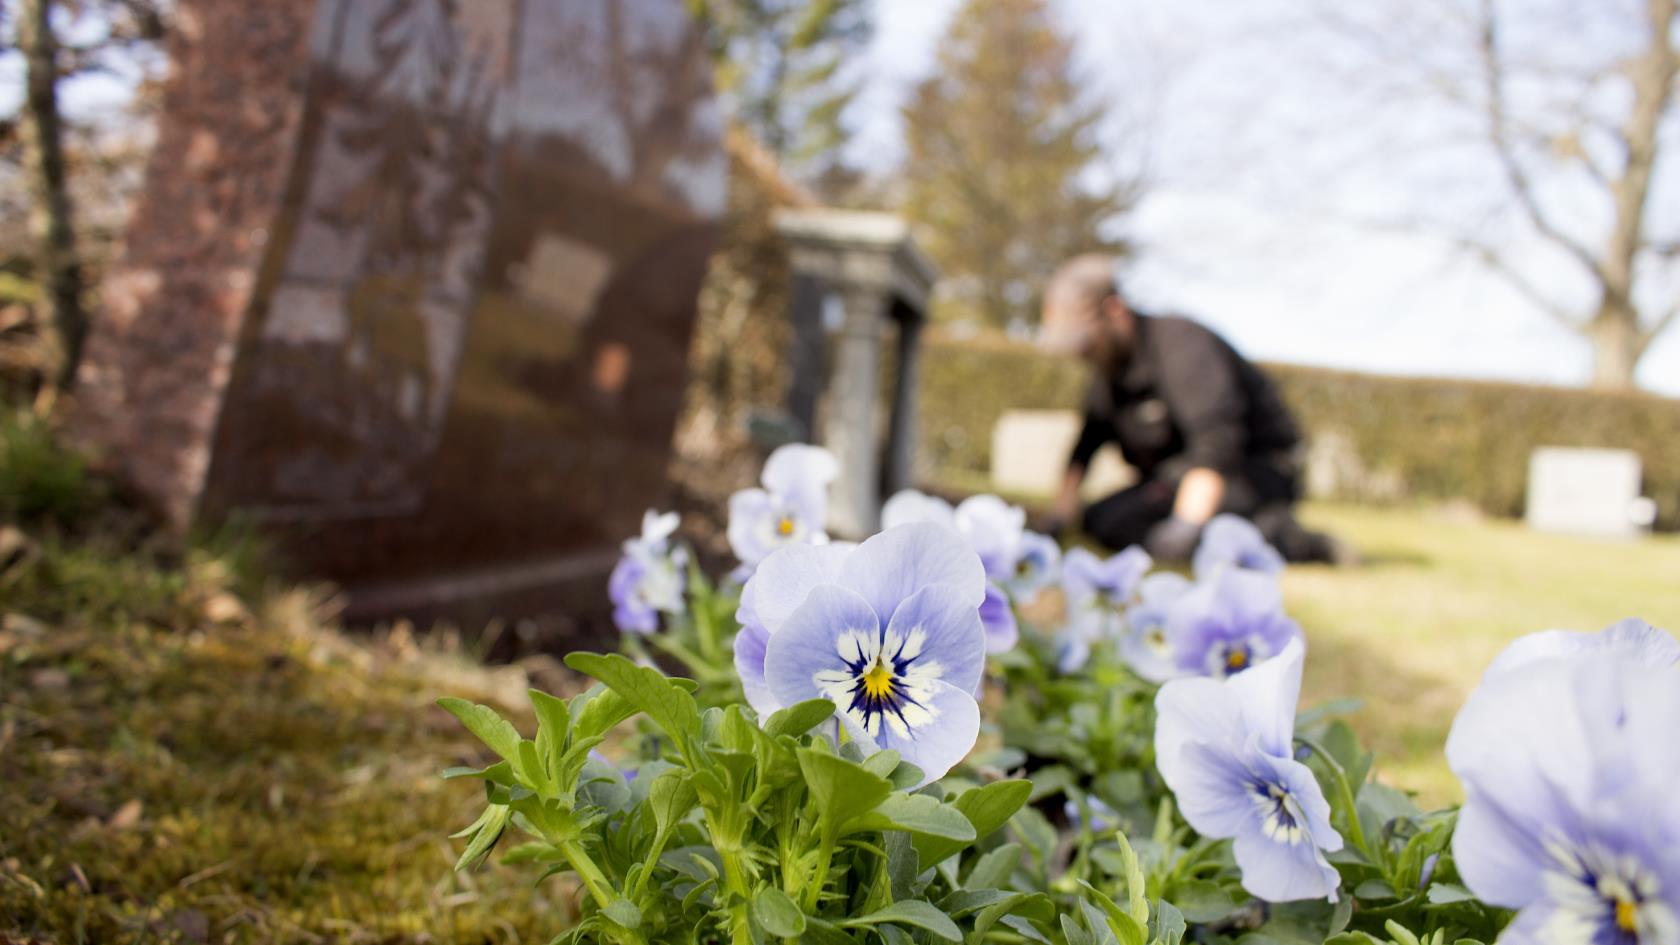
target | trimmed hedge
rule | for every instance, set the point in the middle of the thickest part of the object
(1385, 437)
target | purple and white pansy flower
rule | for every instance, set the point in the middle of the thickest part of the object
(791, 508)
(995, 530)
(1037, 568)
(1231, 541)
(1228, 623)
(1145, 644)
(648, 579)
(889, 631)
(909, 505)
(1226, 749)
(1567, 756)
(1097, 591)
(1112, 580)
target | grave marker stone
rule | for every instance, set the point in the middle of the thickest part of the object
(412, 283)
(1585, 492)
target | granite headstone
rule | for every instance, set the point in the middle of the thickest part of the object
(412, 283)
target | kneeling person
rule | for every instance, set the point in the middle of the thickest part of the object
(1205, 428)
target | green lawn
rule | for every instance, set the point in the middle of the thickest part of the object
(1410, 631)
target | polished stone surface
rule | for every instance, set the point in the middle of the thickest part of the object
(462, 346)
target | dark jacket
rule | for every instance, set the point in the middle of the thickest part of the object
(1185, 399)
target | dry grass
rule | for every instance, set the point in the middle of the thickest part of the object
(180, 770)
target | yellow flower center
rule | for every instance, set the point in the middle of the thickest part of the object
(878, 681)
(1627, 916)
(1236, 659)
(784, 527)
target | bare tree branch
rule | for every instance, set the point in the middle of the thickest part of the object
(1492, 258)
(1498, 126)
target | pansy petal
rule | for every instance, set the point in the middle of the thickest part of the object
(945, 739)
(1213, 789)
(1298, 780)
(1282, 872)
(832, 626)
(1500, 858)
(785, 578)
(898, 562)
(749, 511)
(1268, 694)
(1633, 638)
(993, 528)
(936, 626)
(909, 505)
(798, 474)
(1189, 711)
(998, 619)
(750, 646)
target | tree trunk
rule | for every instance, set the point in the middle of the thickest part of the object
(1617, 345)
(61, 267)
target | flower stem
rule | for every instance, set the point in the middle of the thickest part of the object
(1345, 788)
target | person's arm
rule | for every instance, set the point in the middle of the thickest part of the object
(1199, 494)
(1066, 508)
(1092, 436)
(1205, 395)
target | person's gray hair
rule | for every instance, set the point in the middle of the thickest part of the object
(1083, 282)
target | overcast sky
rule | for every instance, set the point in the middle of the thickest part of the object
(1242, 226)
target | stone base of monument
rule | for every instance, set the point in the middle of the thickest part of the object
(1030, 450)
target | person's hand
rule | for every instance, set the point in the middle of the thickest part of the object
(1173, 539)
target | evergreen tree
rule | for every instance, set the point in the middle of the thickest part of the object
(1002, 148)
(781, 63)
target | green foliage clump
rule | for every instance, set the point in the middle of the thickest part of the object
(1406, 438)
(39, 478)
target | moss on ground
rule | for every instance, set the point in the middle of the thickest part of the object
(180, 768)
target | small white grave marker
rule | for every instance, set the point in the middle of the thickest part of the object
(1586, 492)
(1030, 450)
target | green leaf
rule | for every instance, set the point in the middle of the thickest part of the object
(596, 711)
(554, 723)
(882, 763)
(654, 694)
(500, 773)
(1374, 889)
(1137, 904)
(799, 718)
(993, 869)
(912, 912)
(533, 852)
(671, 797)
(963, 901)
(920, 815)
(842, 790)
(1169, 923)
(1109, 925)
(623, 912)
(1202, 901)
(1442, 893)
(777, 913)
(1123, 926)
(493, 730)
(491, 825)
(987, 808)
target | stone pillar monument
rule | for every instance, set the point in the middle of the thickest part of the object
(412, 283)
(855, 275)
